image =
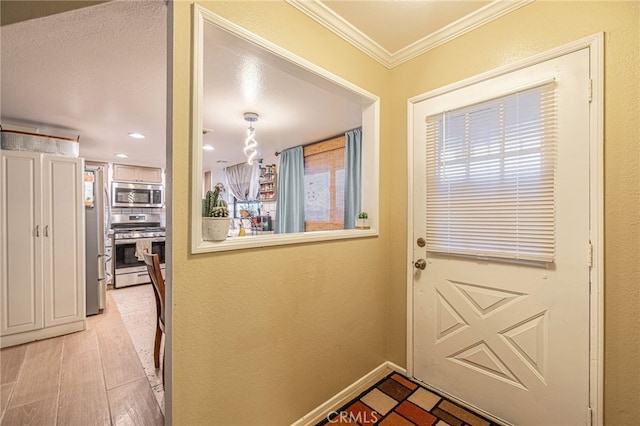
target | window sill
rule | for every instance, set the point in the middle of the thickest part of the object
(258, 241)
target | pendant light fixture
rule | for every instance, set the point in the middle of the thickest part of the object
(250, 143)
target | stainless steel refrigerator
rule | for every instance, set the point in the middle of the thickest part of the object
(95, 228)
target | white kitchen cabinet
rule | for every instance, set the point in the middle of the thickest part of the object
(125, 172)
(42, 278)
(21, 250)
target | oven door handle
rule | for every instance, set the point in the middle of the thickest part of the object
(133, 240)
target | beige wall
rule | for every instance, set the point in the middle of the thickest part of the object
(264, 336)
(269, 343)
(533, 29)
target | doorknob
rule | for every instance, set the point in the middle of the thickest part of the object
(420, 264)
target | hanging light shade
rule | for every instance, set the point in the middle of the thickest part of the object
(250, 143)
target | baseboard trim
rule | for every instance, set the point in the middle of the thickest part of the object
(347, 394)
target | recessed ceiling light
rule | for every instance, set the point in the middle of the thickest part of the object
(208, 147)
(122, 155)
(137, 135)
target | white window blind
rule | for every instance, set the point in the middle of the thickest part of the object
(491, 177)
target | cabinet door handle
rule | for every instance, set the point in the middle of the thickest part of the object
(46, 230)
(37, 230)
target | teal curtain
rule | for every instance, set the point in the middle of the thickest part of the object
(352, 176)
(290, 192)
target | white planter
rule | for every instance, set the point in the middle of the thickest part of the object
(215, 228)
(362, 224)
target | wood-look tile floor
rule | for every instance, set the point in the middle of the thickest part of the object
(137, 307)
(93, 377)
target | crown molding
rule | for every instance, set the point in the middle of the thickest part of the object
(484, 15)
(316, 10)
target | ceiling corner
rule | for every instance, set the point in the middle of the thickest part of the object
(335, 23)
(490, 12)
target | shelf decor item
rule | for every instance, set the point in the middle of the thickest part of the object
(215, 217)
(268, 183)
(362, 221)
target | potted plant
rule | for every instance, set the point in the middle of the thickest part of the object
(362, 221)
(215, 217)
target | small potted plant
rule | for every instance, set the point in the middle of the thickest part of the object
(362, 221)
(215, 217)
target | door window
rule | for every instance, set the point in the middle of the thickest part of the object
(491, 177)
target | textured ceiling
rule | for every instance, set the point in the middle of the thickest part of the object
(98, 72)
(295, 107)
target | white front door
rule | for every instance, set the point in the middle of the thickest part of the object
(512, 338)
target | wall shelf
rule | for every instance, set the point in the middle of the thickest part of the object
(268, 183)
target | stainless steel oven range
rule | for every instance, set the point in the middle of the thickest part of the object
(133, 233)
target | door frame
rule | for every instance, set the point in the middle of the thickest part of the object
(595, 43)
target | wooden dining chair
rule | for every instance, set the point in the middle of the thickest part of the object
(155, 273)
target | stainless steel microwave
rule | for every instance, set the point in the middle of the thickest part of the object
(124, 194)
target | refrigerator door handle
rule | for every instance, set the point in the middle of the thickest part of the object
(107, 202)
(102, 293)
(101, 268)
